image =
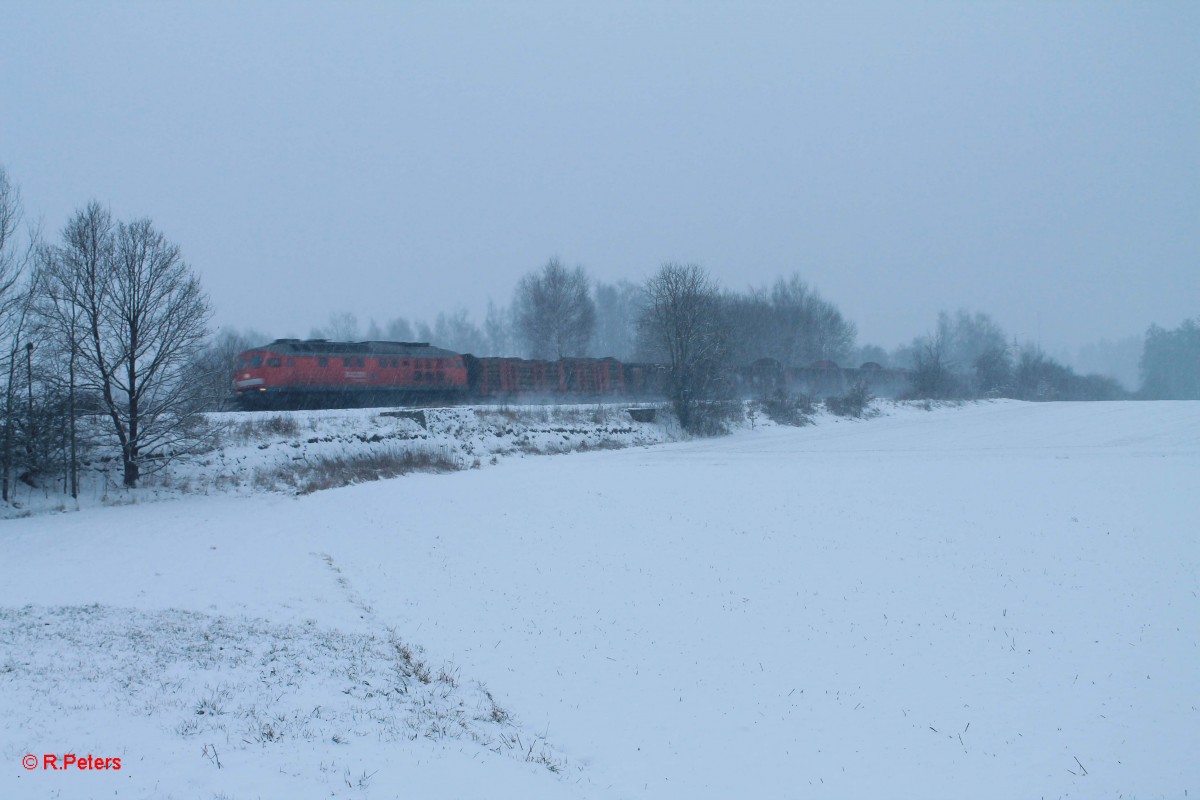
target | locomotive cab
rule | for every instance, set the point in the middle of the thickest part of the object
(258, 372)
(248, 372)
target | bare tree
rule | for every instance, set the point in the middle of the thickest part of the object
(1171, 362)
(454, 331)
(682, 324)
(143, 317)
(498, 329)
(966, 337)
(808, 328)
(790, 322)
(10, 262)
(619, 306)
(965, 355)
(56, 292)
(753, 328)
(554, 312)
(15, 322)
(399, 330)
(72, 287)
(993, 372)
(342, 327)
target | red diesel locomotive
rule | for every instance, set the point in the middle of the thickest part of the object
(294, 373)
(291, 373)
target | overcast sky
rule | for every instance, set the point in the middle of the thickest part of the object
(1038, 161)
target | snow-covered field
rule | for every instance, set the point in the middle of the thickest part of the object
(995, 600)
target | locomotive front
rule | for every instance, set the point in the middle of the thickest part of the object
(252, 379)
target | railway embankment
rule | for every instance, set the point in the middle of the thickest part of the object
(299, 452)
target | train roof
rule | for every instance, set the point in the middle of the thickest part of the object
(326, 347)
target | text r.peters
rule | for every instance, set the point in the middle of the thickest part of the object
(70, 760)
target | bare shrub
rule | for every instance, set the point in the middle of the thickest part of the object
(607, 443)
(853, 403)
(784, 409)
(714, 417)
(280, 425)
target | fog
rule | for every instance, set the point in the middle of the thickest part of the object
(1037, 162)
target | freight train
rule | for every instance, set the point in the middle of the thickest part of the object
(316, 373)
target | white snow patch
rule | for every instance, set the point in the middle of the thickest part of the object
(994, 600)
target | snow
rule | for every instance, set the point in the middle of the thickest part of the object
(990, 600)
(251, 452)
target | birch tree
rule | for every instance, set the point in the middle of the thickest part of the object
(554, 312)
